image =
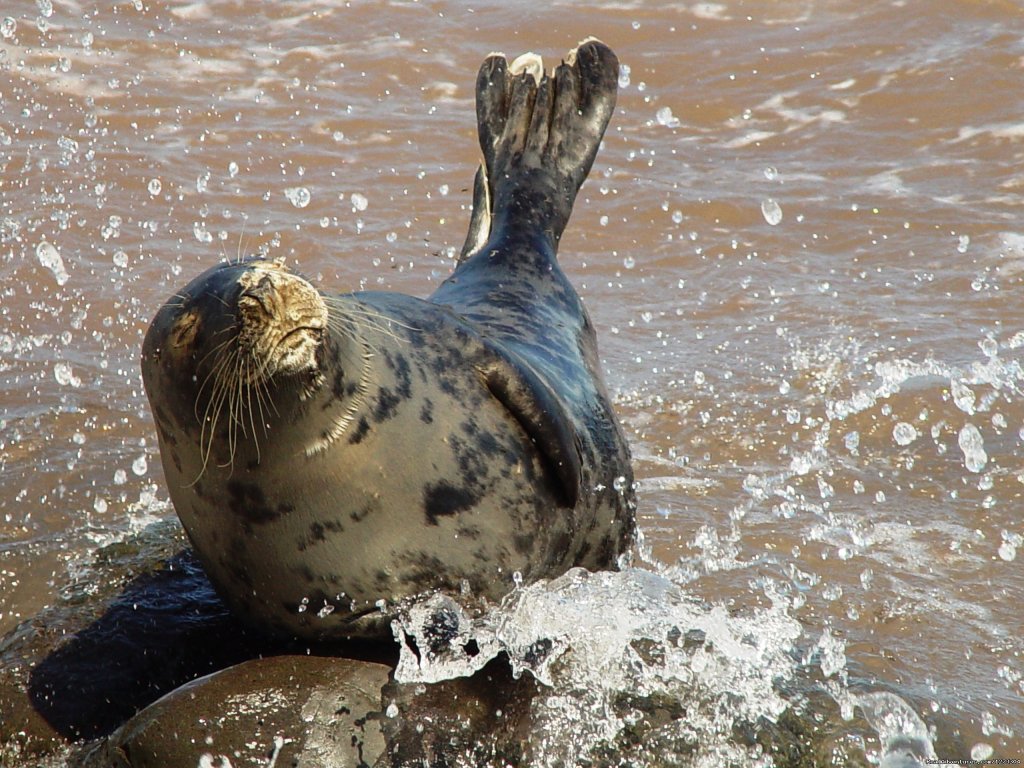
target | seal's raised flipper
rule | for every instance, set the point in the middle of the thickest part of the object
(480, 221)
(539, 135)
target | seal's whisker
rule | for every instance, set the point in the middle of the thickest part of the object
(352, 309)
(263, 391)
(214, 371)
(241, 240)
(248, 387)
(223, 394)
(252, 421)
(211, 414)
(349, 325)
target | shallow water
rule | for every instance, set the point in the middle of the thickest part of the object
(800, 244)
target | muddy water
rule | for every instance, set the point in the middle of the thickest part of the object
(802, 246)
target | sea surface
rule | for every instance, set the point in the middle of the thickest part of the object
(802, 245)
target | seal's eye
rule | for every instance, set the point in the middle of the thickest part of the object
(185, 329)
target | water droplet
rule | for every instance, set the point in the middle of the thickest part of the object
(603, 221)
(50, 258)
(201, 233)
(1007, 552)
(963, 396)
(120, 477)
(8, 27)
(963, 243)
(771, 211)
(665, 117)
(624, 75)
(65, 376)
(443, 189)
(851, 441)
(326, 611)
(629, 262)
(298, 196)
(904, 433)
(391, 237)
(201, 181)
(140, 466)
(112, 228)
(989, 346)
(154, 187)
(359, 202)
(120, 259)
(99, 504)
(771, 174)
(981, 751)
(832, 653)
(392, 710)
(973, 446)
(45, 8)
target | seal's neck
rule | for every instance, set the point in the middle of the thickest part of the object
(345, 362)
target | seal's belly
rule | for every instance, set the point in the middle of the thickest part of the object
(435, 492)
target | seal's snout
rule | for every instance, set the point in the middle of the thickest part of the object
(281, 320)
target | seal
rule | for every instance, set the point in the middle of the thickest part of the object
(333, 455)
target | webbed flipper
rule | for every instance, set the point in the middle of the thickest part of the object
(541, 414)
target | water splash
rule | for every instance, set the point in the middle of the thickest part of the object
(595, 640)
(903, 737)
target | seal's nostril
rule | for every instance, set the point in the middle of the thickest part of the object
(261, 293)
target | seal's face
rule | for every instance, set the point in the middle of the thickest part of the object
(222, 351)
(281, 323)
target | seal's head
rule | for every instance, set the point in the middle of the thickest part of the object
(217, 355)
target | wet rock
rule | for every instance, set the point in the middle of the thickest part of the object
(138, 623)
(480, 720)
(284, 710)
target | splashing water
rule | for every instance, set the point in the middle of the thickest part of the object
(609, 646)
(903, 737)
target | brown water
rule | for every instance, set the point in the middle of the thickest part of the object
(826, 406)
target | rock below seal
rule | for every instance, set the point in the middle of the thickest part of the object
(282, 711)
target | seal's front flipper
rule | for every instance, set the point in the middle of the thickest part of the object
(539, 135)
(541, 415)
